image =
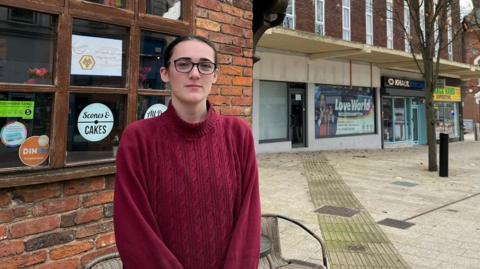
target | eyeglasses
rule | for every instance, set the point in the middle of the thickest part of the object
(185, 66)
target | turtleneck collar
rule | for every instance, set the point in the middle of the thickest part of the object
(192, 130)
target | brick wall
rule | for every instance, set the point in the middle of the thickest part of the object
(305, 15)
(470, 53)
(230, 28)
(398, 31)
(59, 225)
(357, 16)
(333, 18)
(379, 23)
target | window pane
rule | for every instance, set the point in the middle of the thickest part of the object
(110, 3)
(343, 111)
(98, 54)
(151, 106)
(24, 117)
(27, 46)
(95, 122)
(273, 110)
(151, 59)
(170, 9)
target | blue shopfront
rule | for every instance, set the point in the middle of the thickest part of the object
(403, 111)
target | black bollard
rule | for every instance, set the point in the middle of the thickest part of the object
(443, 155)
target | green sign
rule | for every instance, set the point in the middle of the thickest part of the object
(17, 109)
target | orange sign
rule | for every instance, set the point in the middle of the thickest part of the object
(34, 150)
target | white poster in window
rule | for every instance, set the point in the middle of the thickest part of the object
(155, 111)
(96, 56)
(95, 122)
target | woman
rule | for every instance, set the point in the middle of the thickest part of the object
(186, 192)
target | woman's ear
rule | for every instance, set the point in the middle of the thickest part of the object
(215, 75)
(164, 74)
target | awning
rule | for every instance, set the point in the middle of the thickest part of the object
(323, 47)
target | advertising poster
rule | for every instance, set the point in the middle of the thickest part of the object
(96, 56)
(343, 111)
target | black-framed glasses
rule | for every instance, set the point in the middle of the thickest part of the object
(203, 67)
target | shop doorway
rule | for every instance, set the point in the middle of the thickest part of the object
(297, 119)
(401, 120)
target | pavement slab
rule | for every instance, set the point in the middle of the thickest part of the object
(444, 211)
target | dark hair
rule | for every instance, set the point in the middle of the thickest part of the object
(178, 40)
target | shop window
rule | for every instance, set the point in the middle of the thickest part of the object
(152, 49)
(151, 106)
(95, 122)
(273, 112)
(25, 120)
(341, 111)
(110, 3)
(27, 46)
(447, 119)
(170, 9)
(98, 54)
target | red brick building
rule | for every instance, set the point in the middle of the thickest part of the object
(331, 53)
(471, 40)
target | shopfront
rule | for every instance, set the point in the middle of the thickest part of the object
(403, 111)
(447, 104)
(304, 104)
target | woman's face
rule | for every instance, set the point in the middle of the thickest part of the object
(192, 87)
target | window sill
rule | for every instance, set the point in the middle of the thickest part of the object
(55, 175)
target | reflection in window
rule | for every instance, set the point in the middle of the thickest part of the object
(289, 21)
(95, 122)
(110, 3)
(98, 54)
(273, 110)
(151, 106)
(27, 45)
(23, 115)
(170, 9)
(151, 59)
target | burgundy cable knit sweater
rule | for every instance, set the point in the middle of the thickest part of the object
(186, 195)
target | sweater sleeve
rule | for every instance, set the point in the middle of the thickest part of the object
(244, 248)
(137, 234)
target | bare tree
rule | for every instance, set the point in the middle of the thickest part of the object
(428, 36)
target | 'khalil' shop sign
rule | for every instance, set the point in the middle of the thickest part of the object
(95, 122)
(391, 82)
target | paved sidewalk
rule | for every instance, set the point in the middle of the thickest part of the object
(391, 183)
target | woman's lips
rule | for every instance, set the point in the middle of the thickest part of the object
(193, 86)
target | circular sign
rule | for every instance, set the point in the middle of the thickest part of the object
(13, 134)
(155, 111)
(34, 151)
(95, 122)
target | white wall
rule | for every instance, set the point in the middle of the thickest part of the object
(295, 67)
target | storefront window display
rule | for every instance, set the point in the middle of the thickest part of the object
(446, 117)
(401, 121)
(273, 111)
(110, 3)
(343, 111)
(27, 45)
(170, 9)
(25, 120)
(98, 54)
(95, 122)
(151, 106)
(151, 59)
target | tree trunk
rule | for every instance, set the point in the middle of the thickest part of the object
(430, 116)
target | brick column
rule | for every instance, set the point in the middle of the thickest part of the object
(229, 26)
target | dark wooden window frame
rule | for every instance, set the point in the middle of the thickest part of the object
(132, 16)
